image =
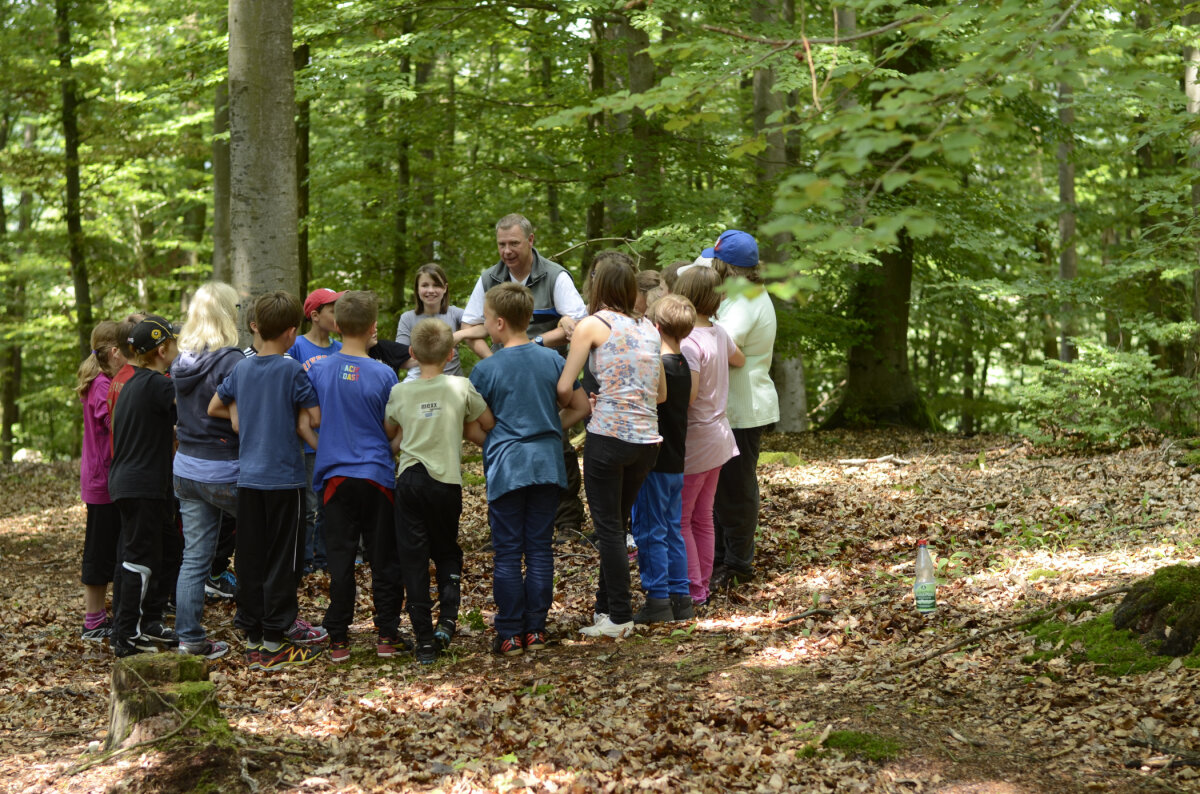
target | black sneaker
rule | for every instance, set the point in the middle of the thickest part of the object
(508, 646)
(444, 633)
(426, 653)
(160, 632)
(534, 641)
(123, 648)
(99, 634)
(223, 586)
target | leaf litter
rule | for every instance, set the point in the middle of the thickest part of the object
(745, 698)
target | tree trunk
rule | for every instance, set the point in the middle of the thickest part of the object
(264, 229)
(145, 685)
(303, 111)
(788, 374)
(74, 212)
(1191, 87)
(966, 424)
(646, 152)
(222, 262)
(1067, 261)
(879, 387)
(595, 210)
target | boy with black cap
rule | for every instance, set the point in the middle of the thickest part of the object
(139, 482)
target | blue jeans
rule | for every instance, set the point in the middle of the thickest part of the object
(200, 507)
(523, 529)
(315, 555)
(662, 555)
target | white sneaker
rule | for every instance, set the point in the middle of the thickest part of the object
(604, 627)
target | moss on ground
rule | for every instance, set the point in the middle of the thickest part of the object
(1114, 651)
(786, 458)
(867, 746)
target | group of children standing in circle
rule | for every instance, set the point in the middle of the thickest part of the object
(656, 381)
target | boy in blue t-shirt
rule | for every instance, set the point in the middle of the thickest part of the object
(270, 401)
(354, 476)
(523, 462)
(314, 345)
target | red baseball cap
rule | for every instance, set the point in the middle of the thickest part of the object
(318, 298)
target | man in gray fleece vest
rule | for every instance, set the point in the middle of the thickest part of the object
(557, 306)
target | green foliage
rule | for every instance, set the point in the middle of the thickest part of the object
(1106, 397)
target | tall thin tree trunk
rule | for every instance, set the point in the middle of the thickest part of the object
(1191, 87)
(221, 261)
(595, 210)
(303, 111)
(403, 186)
(1067, 262)
(262, 124)
(74, 212)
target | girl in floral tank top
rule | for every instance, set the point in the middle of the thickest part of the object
(622, 435)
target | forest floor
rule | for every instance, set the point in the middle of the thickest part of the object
(741, 699)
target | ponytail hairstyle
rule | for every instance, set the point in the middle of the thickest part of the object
(104, 339)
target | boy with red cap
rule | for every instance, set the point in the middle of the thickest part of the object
(314, 345)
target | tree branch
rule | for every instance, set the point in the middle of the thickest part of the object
(785, 44)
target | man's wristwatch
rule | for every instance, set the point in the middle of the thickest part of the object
(537, 340)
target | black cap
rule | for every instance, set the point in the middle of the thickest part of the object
(150, 333)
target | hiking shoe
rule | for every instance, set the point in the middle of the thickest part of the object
(304, 633)
(682, 607)
(253, 655)
(223, 586)
(426, 653)
(444, 633)
(339, 651)
(160, 632)
(209, 649)
(656, 610)
(508, 646)
(604, 627)
(727, 578)
(99, 634)
(534, 641)
(392, 645)
(290, 655)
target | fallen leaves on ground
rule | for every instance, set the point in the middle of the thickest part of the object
(740, 699)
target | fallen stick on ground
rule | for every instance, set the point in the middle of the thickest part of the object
(806, 614)
(1012, 624)
(884, 459)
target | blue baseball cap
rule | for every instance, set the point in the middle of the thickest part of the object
(734, 248)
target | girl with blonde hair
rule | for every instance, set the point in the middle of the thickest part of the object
(206, 463)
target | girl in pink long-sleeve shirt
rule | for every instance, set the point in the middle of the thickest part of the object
(103, 519)
(710, 353)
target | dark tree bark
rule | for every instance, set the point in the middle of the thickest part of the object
(879, 387)
(221, 261)
(74, 212)
(595, 210)
(1068, 266)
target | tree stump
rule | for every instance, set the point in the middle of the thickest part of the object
(1164, 609)
(145, 685)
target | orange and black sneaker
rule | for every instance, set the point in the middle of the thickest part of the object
(508, 646)
(535, 641)
(290, 655)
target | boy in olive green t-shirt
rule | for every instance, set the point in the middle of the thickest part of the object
(434, 413)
